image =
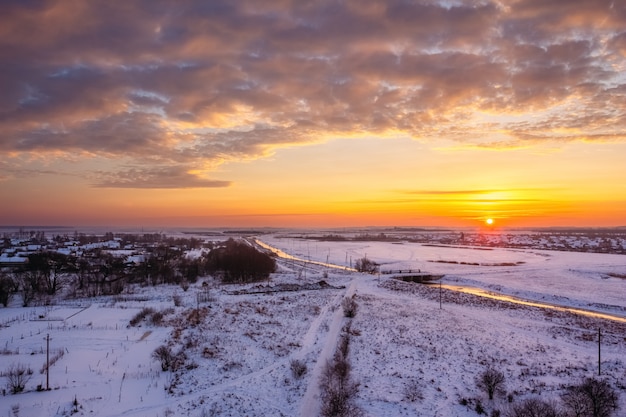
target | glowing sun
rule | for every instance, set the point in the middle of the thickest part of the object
(489, 221)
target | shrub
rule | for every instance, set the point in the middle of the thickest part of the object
(337, 401)
(594, 398)
(164, 355)
(349, 307)
(337, 388)
(413, 391)
(137, 318)
(298, 368)
(157, 318)
(17, 377)
(179, 360)
(490, 381)
(366, 265)
(534, 407)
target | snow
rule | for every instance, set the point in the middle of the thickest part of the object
(239, 347)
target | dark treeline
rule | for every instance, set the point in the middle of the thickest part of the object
(156, 260)
(238, 262)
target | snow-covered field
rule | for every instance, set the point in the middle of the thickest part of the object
(238, 348)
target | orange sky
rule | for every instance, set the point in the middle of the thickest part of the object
(317, 114)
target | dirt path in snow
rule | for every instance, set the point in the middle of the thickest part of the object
(310, 406)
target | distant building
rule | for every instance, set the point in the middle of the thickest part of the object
(12, 261)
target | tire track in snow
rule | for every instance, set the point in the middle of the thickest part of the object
(310, 406)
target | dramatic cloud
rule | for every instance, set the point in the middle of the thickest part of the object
(169, 177)
(192, 84)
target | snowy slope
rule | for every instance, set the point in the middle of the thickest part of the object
(238, 348)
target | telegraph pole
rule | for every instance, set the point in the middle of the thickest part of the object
(48, 362)
(599, 369)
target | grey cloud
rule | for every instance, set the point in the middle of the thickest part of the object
(116, 134)
(15, 169)
(116, 79)
(156, 177)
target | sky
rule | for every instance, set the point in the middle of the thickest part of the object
(279, 113)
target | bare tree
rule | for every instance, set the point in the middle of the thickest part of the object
(592, 398)
(490, 381)
(18, 376)
(534, 407)
(52, 269)
(7, 288)
(164, 355)
(366, 265)
(338, 390)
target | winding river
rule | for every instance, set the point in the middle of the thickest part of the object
(515, 300)
(464, 289)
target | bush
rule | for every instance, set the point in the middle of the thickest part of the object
(139, 317)
(338, 391)
(413, 391)
(17, 377)
(349, 307)
(479, 408)
(157, 318)
(337, 401)
(491, 381)
(366, 265)
(164, 355)
(534, 407)
(593, 398)
(298, 368)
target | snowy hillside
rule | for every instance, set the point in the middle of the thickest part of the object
(414, 349)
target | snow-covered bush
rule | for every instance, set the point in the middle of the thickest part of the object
(298, 368)
(349, 307)
(366, 265)
(141, 315)
(491, 381)
(165, 356)
(535, 407)
(338, 390)
(17, 376)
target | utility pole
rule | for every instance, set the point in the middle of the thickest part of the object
(599, 369)
(48, 362)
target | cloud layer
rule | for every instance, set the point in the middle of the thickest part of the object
(174, 89)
